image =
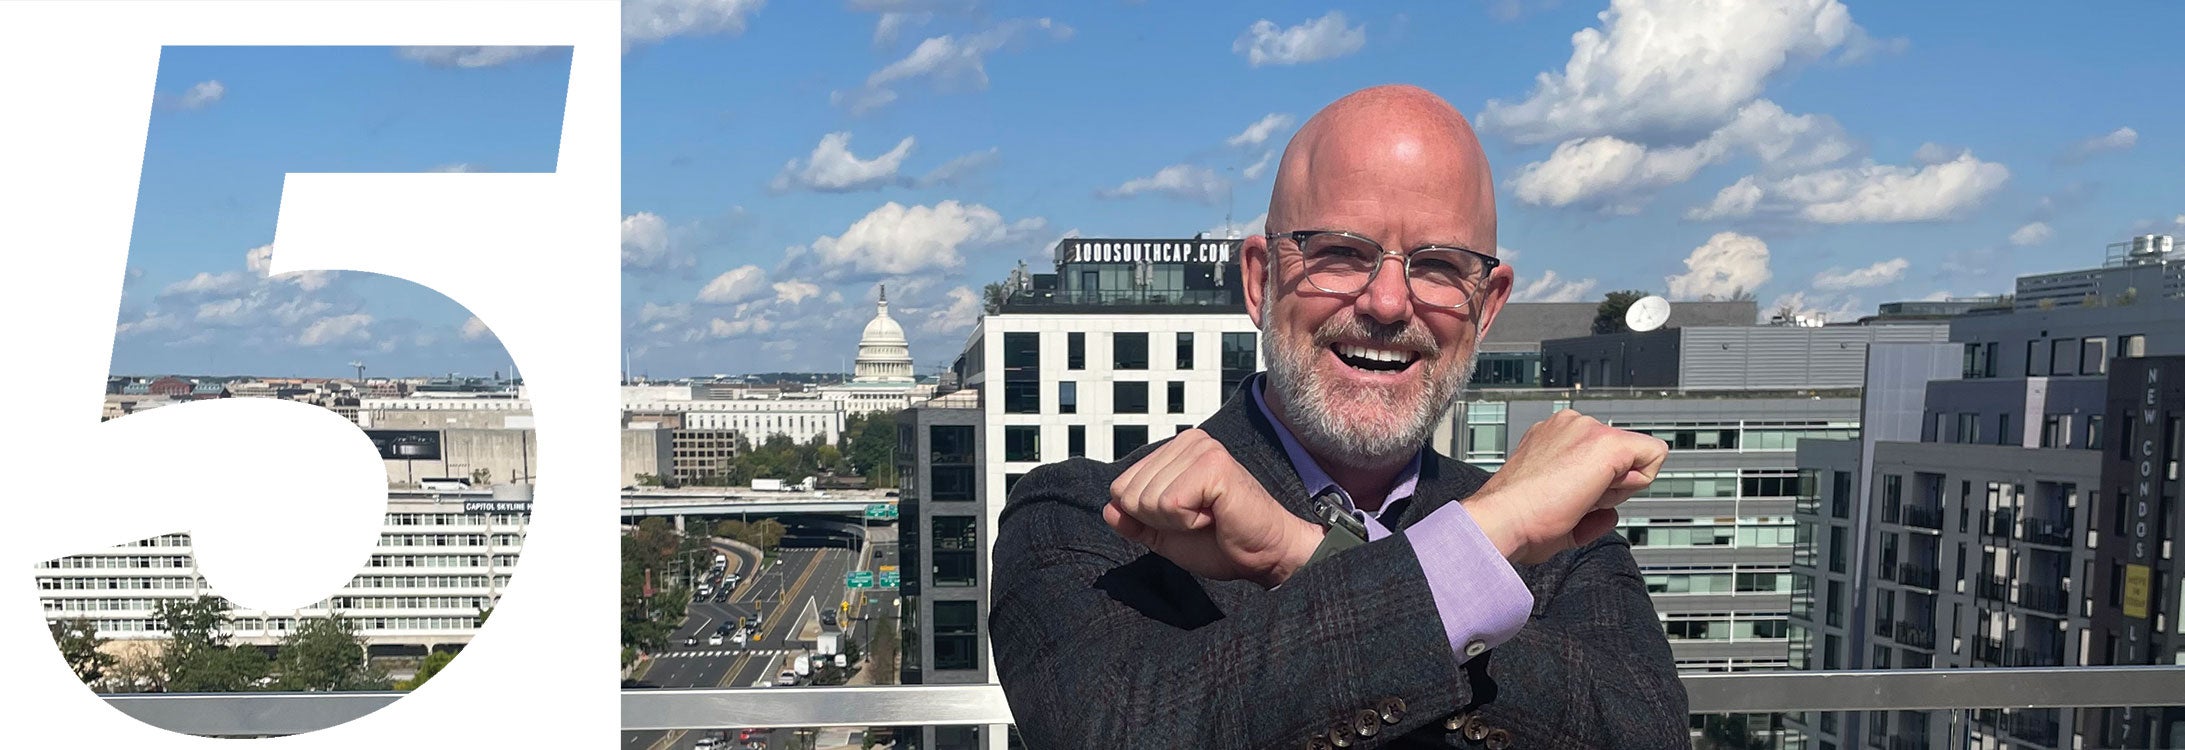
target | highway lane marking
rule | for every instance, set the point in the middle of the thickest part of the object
(728, 652)
(668, 740)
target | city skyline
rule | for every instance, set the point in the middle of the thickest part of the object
(1829, 157)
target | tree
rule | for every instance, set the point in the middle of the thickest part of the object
(79, 642)
(648, 480)
(1609, 317)
(885, 649)
(481, 477)
(326, 653)
(872, 451)
(996, 293)
(198, 658)
(434, 662)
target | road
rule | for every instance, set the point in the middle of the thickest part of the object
(787, 594)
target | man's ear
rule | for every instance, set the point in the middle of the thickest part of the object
(1495, 293)
(1255, 267)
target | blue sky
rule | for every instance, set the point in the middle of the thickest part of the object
(782, 160)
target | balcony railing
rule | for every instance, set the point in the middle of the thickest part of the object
(1908, 742)
(2042, 599)
(1884, 626)
(2002, 523)
(1915, 635)
(1915, 574)
(2027, 657)
(1994, 587)
(1926, 517)
(2043, 531)
(1893, 511)
(1989, 650)
(274, 714)
(2039, 730)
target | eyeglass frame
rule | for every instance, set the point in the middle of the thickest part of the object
(1488, 264)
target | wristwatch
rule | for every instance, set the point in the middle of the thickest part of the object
(1344, 530)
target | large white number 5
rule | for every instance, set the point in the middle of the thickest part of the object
(533, 255)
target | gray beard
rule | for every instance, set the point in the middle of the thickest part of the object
(1316, 408)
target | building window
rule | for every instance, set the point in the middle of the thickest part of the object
(1130, 350)
(1131, 397)
(1020, 373)
(1838, 551)
(1066, 397)
(955, 483)
(1968, 428)
(1020, 443)
(1239, 358)
(2033, 358)
(2094, 432)
(1077, 350)
(1186, 354)
(1077, 441)
(2003, 429)
(1840, 504)
(1175, 397)
(1009, 483)
(956, 635)
(2094, 356)
(1020, 397)
(1129, 437)
(955, 551)
(2132, 345)
(2062, 355)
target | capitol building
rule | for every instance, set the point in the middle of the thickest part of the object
(884, 379)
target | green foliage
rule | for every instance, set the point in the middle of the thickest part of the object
(198, 658)
(765, 533)
(1609, 317)
(872, 447)
(79, 642)
(326, 653)
(438, 660)
(886, 648)
(648, 480)
(647, 622)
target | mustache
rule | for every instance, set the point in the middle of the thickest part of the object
(1393, 335)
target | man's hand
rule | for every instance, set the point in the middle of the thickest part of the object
(1560, 488)
(1195, 505)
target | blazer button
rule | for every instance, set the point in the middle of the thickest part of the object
(1498, 739)
(1318, 742)
(1366, 723)
(1475, 728)
(1339, 735)
(1392, 710)
(1456, 722)
(1475, 648)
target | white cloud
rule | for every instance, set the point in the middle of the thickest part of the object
(228, 282)
(1258, 132)
(946, 61)
(469, 57)
(955, 170)
(1259, 167)
(1186, 181)
(1869, 193)
(1934, 153)
(202, 95)
(1617, 175)
(457, 167)
(645, 21)
(221, 312)
(794, 291)
(1827, 308)
(722, 329)
(1246, 228)
(1878, 274)
(832, 168)
(475, 329)
(648, 244)
(353, 327)
(1553, 288)
(898, 240)
(651, 312)
(1665, 68)
(152, 322)
(1323, 38)
(891, 25)
(963, 309)
(1728, 264)
(2032, 234)
(2121, 139)
(733, 286)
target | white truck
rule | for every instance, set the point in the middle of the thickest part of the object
(768, 485)
(803, 666)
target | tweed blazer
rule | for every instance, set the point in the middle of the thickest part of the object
(1101, 643)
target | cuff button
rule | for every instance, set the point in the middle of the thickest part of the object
(1475, 648)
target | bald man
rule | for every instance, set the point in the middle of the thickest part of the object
(1302, 571)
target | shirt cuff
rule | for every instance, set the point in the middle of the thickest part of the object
(1481, 600)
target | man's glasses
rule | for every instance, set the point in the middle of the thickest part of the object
(1345, 263)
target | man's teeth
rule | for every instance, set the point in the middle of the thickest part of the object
(1379, 355)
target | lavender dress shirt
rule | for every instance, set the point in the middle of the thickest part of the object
(1481, 600)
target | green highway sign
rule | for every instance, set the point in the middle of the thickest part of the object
(890, 579)
(881, 512)
(858, 579)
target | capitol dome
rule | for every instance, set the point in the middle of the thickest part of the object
(883, 353)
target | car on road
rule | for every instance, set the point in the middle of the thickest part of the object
(731, 580)
(703, 592)
(827, 618)
(713, 640)
(721, 595)
(692, 640)
(787, 678)
(740, 638)
(707, 743)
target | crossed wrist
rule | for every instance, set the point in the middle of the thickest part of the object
(1304, 538)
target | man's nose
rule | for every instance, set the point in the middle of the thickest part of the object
(1388, 298)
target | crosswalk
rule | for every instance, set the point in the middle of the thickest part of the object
(728, 652)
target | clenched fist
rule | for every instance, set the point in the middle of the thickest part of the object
(1192, 503)
(1560, 488)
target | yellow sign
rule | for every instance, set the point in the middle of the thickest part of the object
(2136, 588)
(887, 568)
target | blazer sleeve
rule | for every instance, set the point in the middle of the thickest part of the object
(1087, 664)
(1592, 669)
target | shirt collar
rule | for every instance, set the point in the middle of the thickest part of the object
(1316, 479)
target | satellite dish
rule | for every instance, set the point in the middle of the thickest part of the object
(1647, 314)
